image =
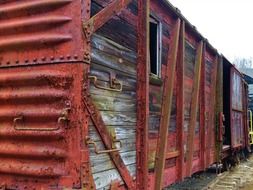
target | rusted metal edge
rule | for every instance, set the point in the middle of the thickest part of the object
(203, 118)
(194, 110)
(87, 181)
(107, 140)
(142, 95)
(180, 101)
(166, 107)
(211, 121)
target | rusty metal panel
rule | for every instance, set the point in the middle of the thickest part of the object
(29, 27)
(40, 126)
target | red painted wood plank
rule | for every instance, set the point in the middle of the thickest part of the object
(142, 95)
(194, 110)
(172, 154)
(180, 101)
(211, 121)
(203, 109)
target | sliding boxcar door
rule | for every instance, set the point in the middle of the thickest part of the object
(237, 129)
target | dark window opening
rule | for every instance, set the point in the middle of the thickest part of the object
(154, 48)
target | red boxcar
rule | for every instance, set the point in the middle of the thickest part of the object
(110, 94)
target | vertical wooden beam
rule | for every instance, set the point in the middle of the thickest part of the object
(194, 110)
(180, 101)
(211, 121)
(203, 109)
(142, 95)
(219, 110)
(166, 107)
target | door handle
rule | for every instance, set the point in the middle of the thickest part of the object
(114, 149)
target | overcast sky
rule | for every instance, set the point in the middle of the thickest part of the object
(227, 24)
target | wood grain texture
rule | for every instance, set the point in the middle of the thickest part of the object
(194, 106)
(124, 23)
(118, 109)
(180, 102)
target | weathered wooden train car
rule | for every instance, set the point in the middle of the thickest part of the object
(100, 94)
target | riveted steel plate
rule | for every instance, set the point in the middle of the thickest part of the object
(40, 31)
(40, 123)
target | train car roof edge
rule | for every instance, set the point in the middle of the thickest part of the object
(177, 12)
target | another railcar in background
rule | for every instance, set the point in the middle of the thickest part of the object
(111, 94)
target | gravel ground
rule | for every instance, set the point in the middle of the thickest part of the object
(238, 178)
(196, 182)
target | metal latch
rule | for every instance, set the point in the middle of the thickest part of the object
(114, 84)
(114, 148)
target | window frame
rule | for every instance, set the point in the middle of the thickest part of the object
(154, 20)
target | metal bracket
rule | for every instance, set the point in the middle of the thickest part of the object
(206, 116)
(114, 149)
(21, 127)
(114, 84)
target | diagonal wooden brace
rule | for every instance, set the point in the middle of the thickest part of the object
(98, 20)
(108, 141)
(194, 110)
(180, 101)
(211, 121)
(166, 107)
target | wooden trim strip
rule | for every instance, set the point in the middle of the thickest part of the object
(142, 95)
(166, 107)
(174, 154)
(203, 119)
(180, 101)
(219, 110)
(194, 110)
(211, 121)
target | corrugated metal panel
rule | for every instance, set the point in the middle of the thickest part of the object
(39, 137)
(29, 27)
